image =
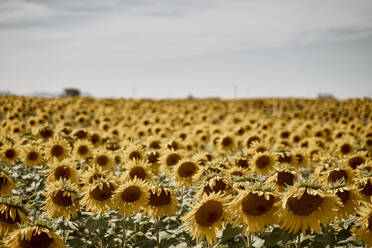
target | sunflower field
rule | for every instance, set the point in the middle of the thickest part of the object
(86, 172)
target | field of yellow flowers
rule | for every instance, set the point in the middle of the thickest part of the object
(86, 172)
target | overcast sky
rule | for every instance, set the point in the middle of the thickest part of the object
(174, 48)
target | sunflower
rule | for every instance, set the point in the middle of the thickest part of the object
(365, 186)
(161, 201)
(337, 173)
(134, 151)
(205, 219)
(9, 153)
(301, 156)
(93, 173)
(154, 143)
(201, 158)
(283, 177)
(31, 155)
(263, 162)
(307, 205)
(6, 184)
(169, 159)
(240, 161)
(138, 169)
(349, 198)
(57, 148)
(363, 230)
(227, 142)
(97, 196)
(287, 157)
(44, 132)
(64, 169)
(257, 147)
(345, 146)
(33, 236)
(214, 183)
(61, 199)
(132, 196)
(255, 208)
(82, 149)
(103, 159)
(12, 213)
(356, 160)
(186, 172)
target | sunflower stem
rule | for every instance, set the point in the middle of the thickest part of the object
(181, 203)
(244, 241)
(158, 241)
(101, 234)
(250, 240)
(124, 233)
(298, 243)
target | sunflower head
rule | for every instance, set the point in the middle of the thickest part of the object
(138, 169)
(6, 183)
(9, 153)
(12, 213)
(57, 148)
(31, 155)
(61, 199)
(65, 169)
(161, 201)
(186, 172)
(263, 162)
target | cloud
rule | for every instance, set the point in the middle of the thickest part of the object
(133, 31)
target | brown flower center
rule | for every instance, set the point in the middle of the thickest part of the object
(62, 200)
(57, 150)
(135, 155)
(154, 145)
(343, 195)
(62, 172)
(45, 133)
(102, 194)
(153, 157)
(94, 138)
(138, 172)
(186, 169)
(251, 140)
(172, 159)
(284, 158)
(219, 186)
(256, 205)
(367, 189)
(345, 149)
(164, 198)
(262, 161)
(5, 217)
(242, 163)
(354, 162)
(41, 240)
(336, 175)
(299, 158)
(102, 160)
(306, 205)
(83, 149)
(10, 153)
(81, 134)
(32, 156)
(227, 141)
(370, 223)
(131, 194)
(284, 178)
(209, 213)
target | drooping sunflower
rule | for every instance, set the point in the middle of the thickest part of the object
(31, 155)
(6, 184)
(12, 213)
(153, 157)
(82, 149)
(131, 196)
(349, 198)
(103, 159)
(65, 169)
(201, 158)
(287, 157)
(97, 196)
(93, 173)
(207, 216)
(44, 132)
(138, 169)
(9, 153)
(61, 199)
(263, 162)
(306, 205)
(186, 172)
(240, 161)
(57, 148)
(255, 208)
(283, 177)
(161, 201)
(30, 235)
(214, 183)
(363, 229)
(365, 185)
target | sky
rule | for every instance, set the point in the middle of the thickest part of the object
(177, 48)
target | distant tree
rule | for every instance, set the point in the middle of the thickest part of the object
(71, 92)
(326, 96)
